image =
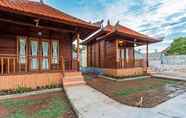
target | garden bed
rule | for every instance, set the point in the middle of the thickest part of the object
(50, 105)
(21, 89)
(153, 91)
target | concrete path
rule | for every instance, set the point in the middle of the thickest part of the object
(171, 75)
(90, 103)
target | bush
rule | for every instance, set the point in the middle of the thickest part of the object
(21, 89)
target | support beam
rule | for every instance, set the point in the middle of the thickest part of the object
(78, 52)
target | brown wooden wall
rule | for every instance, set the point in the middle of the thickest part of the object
(101, 54)
(8, 39)
(104, 54)
(7, 44)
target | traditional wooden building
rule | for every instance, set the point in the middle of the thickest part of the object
(111, 49)
(36, 44)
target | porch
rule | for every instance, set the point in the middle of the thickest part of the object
(36, 46)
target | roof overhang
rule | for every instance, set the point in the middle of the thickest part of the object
(131, 38)
(87, 25)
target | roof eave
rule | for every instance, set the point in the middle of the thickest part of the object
(88, 26)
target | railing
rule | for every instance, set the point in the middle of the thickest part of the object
(9, 64)
(71, 65)
(130, 64)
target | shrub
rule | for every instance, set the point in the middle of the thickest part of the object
(21, 89)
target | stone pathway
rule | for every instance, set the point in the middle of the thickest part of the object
(90, 103)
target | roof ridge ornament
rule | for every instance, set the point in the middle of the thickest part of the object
(116, 25)
(108, 22)
(42, 1)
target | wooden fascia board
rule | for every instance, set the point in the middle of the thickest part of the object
(32, 25)
(143, 39)
(49, 18)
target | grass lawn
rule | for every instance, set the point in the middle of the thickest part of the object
(154, 91)
(146, 87)
(53, 105)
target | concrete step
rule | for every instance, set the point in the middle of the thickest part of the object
(69, 74)
(73, 83)
(73, 78)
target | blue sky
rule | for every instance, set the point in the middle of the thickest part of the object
(158, 18)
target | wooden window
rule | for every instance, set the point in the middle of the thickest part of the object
(55, 52)
(45, 55)
(34, 55)
(127, 54)
(22, 50)
(118, 54)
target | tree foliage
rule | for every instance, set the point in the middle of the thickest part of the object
(178, 47)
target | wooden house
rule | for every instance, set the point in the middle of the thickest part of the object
(36, 44)
(112, 48)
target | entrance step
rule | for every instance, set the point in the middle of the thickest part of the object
(69, 74)
(73, 78)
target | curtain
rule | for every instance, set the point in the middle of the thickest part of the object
(34, 50)
(45, 55)
(55, 52)
(22, 50)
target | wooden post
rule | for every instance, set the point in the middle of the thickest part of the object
(8, 65)
(147, 58)
(14, 65)
(2, 65)
(134, 58)
(117, 55)
(78, 52)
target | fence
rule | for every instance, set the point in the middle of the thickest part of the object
(30, 80)
(169, 63)
(174, 60)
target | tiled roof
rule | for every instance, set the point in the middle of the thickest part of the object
(110, 30)
(125, 30)
(37, 8)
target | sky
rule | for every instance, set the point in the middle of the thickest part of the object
(156, 18)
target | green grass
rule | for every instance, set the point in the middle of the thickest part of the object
(129, 91)
(17, 108)
(88, 77)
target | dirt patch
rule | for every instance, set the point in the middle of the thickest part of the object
(153, 91)
(69, 114)
(3, 112)
(31, 109)
(56, 104)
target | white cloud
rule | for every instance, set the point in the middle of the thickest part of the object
(153, 15)
(158, 18)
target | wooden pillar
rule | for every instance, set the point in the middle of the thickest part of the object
(117, 55)
(147, 55)
(78, 52)
(146, 58)
(134, 58)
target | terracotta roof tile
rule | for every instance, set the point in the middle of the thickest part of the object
(127, 31)
(37, 8)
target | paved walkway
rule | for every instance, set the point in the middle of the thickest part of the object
(171, 75)
(89, 103)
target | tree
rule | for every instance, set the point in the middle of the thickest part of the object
(178, 47)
